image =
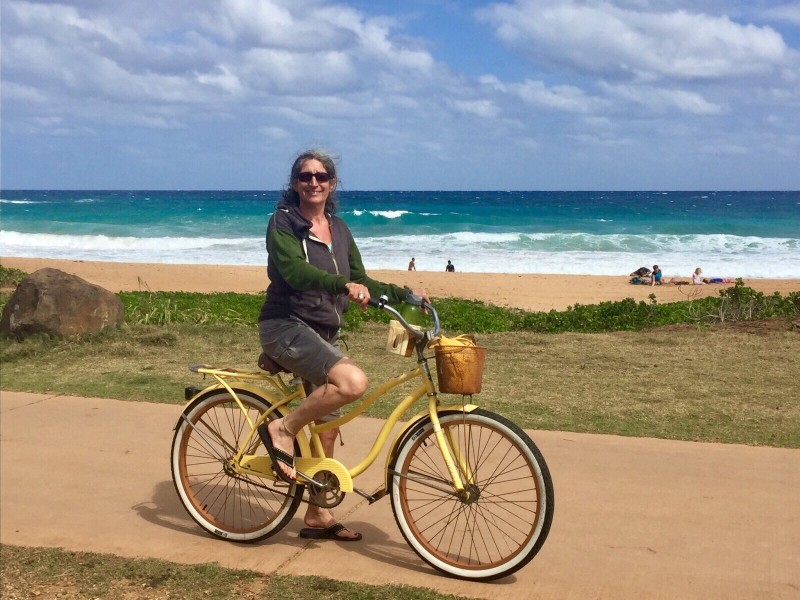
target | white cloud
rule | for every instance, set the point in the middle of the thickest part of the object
(223, 79)
(659, 100)
(485, 109)
(568, 98)
(789, 13)
(274, 24)
(275, 133)
(602, 39)
(272, 76)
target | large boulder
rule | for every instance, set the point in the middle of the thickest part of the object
(57, 303)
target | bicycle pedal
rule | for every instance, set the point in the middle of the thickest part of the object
(373, 497)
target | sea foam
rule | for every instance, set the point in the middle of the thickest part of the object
(577, 253)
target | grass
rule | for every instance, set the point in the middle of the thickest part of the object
(720, 383)
(55, 573)
(630, 376)
(715, 384)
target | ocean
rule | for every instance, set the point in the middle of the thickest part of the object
(728, 234)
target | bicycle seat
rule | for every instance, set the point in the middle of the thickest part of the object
(270, 366)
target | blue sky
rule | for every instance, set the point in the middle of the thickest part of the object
(417, 94)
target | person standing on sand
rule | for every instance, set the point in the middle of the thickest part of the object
(450, 268)
(412, 266)
(315, 271)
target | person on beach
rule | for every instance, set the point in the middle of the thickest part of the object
(656, 276)
(697, 277)
(641, 276)
(315, 271)
(641, 272)
(450, 268)
(412, 266)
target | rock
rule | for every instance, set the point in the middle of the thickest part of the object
(57, 303)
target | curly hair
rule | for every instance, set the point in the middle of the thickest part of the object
(292, 197)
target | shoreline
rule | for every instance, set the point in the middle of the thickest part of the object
(535, 292)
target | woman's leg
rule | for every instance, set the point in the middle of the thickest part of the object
(316, 516)
(346, 383)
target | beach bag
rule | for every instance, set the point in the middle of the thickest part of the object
(459, 364)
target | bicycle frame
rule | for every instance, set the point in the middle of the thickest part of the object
(234, 381)
(309, 465)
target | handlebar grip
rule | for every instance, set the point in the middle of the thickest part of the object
(413, 299)
(374, 303)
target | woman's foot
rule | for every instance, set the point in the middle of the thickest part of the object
(337, 532)
(283, 440)
(322, 522)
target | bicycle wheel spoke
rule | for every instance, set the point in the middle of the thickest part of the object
(220, 499)
(497, 524)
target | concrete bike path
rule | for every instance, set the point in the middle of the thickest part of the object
(635, 518)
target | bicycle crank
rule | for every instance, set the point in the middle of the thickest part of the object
(324, 490)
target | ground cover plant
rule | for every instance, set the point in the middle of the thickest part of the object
(716, 370)
(726, 383)
(55, 573)
(704, 374)
(733, 304)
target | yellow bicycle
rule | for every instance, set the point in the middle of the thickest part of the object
(470, 491)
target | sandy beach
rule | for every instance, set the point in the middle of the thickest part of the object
(530, 292)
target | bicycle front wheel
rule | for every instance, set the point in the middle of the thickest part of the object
(503, 517)
(227, 504)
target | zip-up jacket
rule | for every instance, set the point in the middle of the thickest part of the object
(307, 278)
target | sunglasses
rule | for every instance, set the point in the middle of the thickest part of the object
(307, 176)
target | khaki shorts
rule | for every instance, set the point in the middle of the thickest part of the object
(298, 348)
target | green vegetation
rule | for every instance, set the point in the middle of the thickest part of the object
(56, 573)
(719, 371)
(720, 383)
(714, 370)
(733, 304)
(10, 278)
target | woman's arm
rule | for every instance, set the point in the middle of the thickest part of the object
(287, 254)
(358, 274)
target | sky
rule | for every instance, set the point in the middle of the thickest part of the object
(408, 95)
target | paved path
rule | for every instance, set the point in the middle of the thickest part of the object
(635, 518)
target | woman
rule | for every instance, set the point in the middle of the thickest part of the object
(315, 270)
(656, 277)
(697, 277)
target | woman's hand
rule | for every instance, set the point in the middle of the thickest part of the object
(358, 293)
(422, 293)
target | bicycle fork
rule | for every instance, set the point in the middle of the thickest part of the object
(455, 461)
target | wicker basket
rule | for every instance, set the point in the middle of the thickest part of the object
(459, 369)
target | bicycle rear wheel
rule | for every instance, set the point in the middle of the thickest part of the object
(227, 504)
(502, 521)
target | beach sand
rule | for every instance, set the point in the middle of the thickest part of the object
(530, 292)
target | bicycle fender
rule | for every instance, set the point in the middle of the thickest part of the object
(412, 423)
(253, 391)
(244, 386)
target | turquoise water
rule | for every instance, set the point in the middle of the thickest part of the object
(729, 234)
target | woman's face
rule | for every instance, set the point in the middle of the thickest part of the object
(313, 192)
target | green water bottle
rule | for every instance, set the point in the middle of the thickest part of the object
(411, 313)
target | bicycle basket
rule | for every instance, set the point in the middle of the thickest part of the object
(459, 367)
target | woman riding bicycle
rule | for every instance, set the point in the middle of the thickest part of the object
(315, 270)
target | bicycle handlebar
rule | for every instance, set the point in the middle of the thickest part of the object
(382, 303)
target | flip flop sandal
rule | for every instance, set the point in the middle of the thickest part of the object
(276, 455)
(329, 533)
